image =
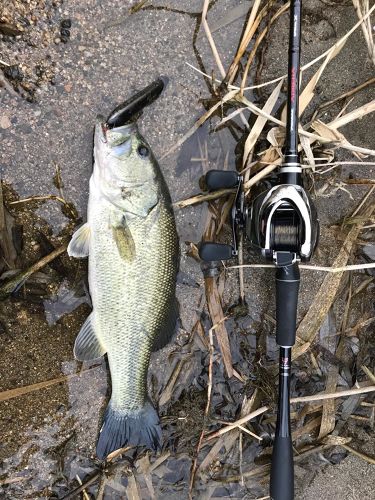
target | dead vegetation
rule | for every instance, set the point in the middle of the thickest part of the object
(255, 167)
(333, 362)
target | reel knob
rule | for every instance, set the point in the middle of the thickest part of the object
(221, 179)
(215, 251)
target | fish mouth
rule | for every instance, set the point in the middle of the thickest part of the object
(130, 109)
(116, 135)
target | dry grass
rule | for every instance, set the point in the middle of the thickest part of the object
(256, 166)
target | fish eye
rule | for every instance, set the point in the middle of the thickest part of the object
(143, 151)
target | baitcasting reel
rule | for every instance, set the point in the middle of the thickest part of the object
(281, 222)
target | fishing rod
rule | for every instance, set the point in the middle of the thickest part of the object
(282, 224)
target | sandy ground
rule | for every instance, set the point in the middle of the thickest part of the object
(110, 54)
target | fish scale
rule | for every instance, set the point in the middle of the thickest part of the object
(134, 308)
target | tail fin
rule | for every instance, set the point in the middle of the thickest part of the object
(137, 427)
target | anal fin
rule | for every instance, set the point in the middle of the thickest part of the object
(87, 345)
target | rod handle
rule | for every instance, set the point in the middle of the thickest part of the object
(287, 287)
(282, 469)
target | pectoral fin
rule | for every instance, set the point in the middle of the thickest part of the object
(124, 240)
(80, 242)
(87, 346)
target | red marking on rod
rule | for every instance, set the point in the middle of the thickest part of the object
(284, 362)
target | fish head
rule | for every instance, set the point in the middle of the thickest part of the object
(125, 170)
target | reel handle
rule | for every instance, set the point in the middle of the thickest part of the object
(209, 251)
(221, 179)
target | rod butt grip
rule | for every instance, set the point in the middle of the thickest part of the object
(282, 470)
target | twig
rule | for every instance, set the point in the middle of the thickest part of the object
(303, 399)
(117, 453)
(12, 480)
(206, 411)
(368, 459)
(260, 175)
(13, 283)
(303, 68)
(21, 391)
(102, 485)
(369, 373)
(250, 433)
(73, 494)
(333, 395)
(359, 181)
(316, 137)
(239, 422)
(83, 491)
(361, 7)
(200, 198)
(257, 129)
(369, 193)
(240, 450)
(349, 93)
(258, 41)
(160, 460)
(367, 108)
(354, 267)
(250, 29)
(210, 38)
(215, 310)
(38, 198)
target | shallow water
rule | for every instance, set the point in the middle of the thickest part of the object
(49, 435)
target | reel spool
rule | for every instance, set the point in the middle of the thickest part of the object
(285, 231)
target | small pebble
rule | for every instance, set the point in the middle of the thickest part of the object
(66, 23)
(13, 72)
(4, 122)
(57, 40)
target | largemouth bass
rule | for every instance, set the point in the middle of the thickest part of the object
(131, 240)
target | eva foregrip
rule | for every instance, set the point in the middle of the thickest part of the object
(282, 470)
(287, 286)
(221, 179)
